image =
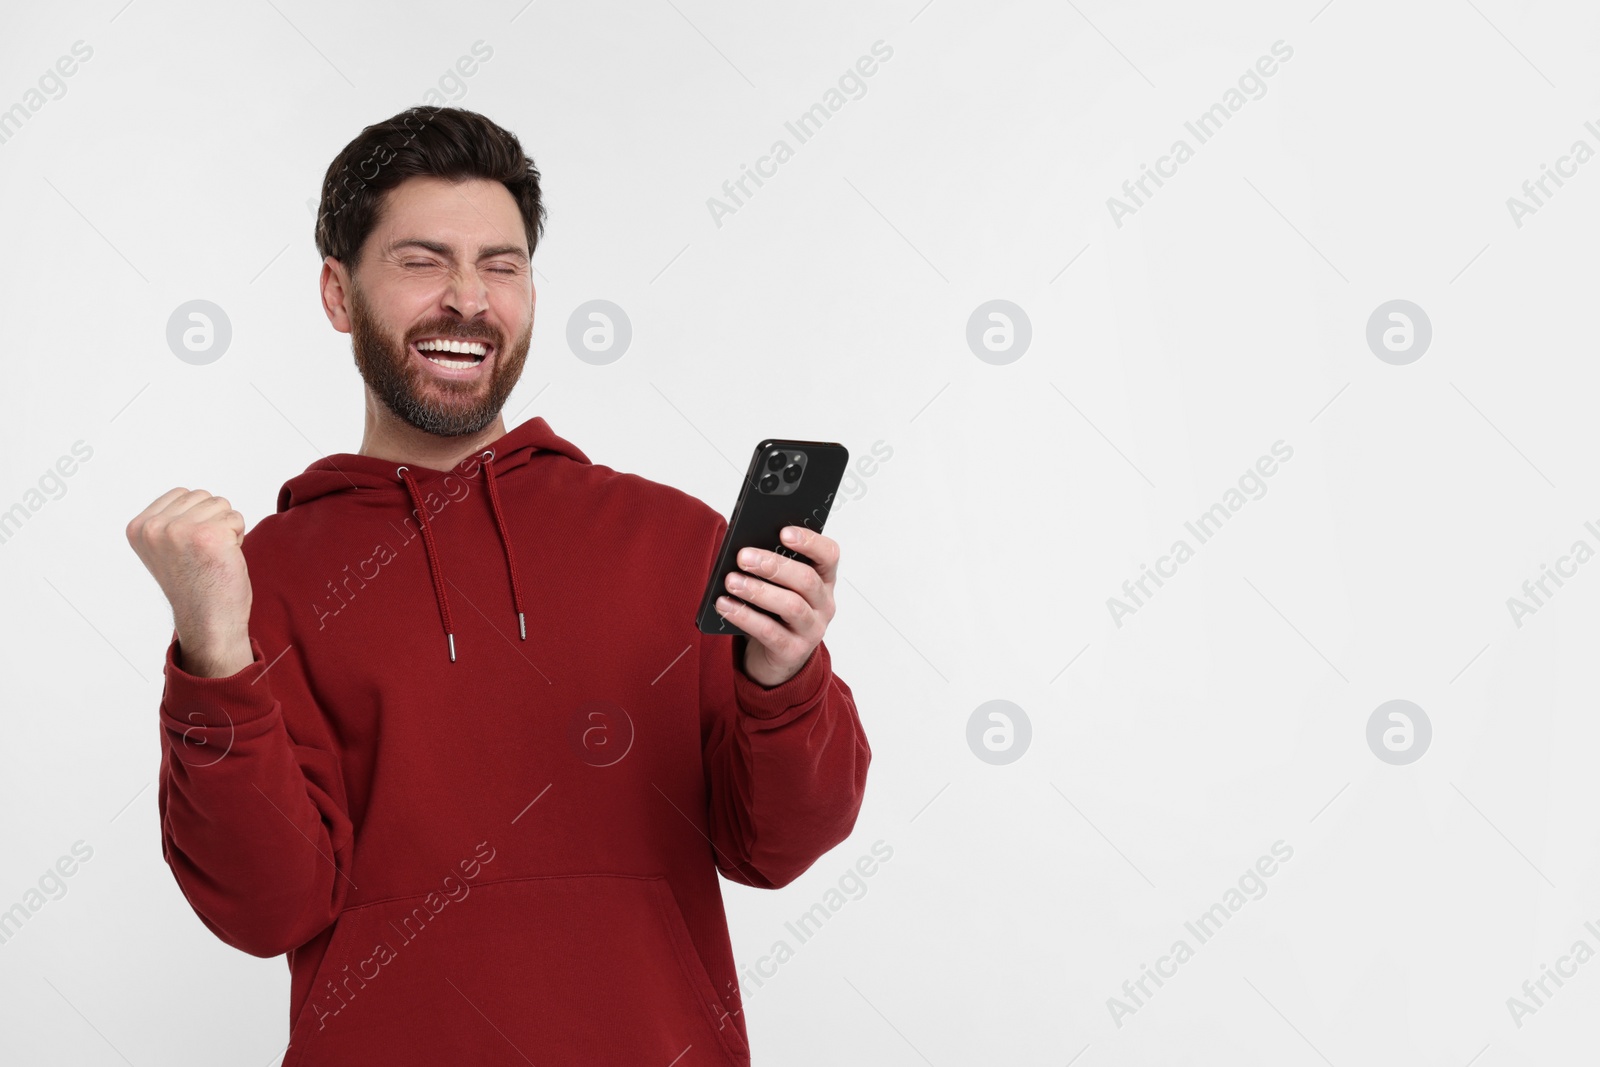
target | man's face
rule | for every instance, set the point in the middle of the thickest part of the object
(446, 261)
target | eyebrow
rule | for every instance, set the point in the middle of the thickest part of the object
(449, 253)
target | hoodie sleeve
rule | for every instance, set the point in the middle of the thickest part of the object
(786, 766)
(254, 823)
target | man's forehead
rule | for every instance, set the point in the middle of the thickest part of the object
(431, 187)
(470, 206)
(462, 221)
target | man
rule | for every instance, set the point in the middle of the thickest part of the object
(442, 729)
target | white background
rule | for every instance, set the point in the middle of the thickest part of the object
(1167, 355)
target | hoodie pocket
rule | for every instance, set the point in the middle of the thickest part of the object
(581, 969)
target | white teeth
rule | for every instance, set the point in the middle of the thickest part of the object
(469, 347)
(453, 364)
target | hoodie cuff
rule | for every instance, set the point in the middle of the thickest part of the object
(802, 690)
(192, 700)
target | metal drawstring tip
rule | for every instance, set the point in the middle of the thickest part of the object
(452, 638)
(522, 624)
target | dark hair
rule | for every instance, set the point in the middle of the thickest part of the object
(440, 142)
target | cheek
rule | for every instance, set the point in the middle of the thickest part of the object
(515, 311)
(412, 307)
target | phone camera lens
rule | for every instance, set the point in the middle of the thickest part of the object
(791, 473)
(776, 461)
(769, 482)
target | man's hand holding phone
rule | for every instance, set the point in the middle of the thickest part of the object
(802, 595)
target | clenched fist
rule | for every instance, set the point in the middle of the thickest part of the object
(189, 541)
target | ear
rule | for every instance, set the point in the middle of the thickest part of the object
(335, 285)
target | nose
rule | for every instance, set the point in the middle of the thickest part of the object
(467, 295)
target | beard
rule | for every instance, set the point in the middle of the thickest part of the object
(444, 407)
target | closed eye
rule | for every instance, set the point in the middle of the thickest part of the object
(493, 270)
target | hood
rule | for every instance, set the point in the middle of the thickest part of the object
(349, 472)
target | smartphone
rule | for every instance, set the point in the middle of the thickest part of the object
(789, 483)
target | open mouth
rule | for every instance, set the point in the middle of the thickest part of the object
(454, 358)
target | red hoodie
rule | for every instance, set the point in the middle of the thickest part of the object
(479, 846)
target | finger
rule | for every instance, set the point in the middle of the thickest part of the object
(200, 499)
(181, 505)
(794, 574)
(205, 510)
(824, 551)
(160, 503)
(154, 508)
(766, 631)
(796, 612)
(235, 522)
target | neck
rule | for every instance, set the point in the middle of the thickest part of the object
(387, 437)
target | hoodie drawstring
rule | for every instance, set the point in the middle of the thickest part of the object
(432, 550)
(505, 542)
